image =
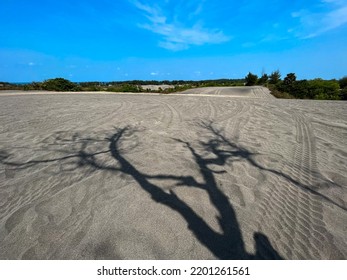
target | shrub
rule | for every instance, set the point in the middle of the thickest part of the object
(263, 79)
(59, 84)
(343, 94)
(282, 95)
(279, 94)
(251, 79)
(125, 88)
(289, 79)
(275, 77)
(324, 89)
(343, 82)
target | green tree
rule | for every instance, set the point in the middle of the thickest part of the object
(251, 79)
(313, 89)
(343, 94)
(263, 79)
(343, 82)
(275, 77)
(300, 89)
(59, 84)
(289, 79)
(322, 89)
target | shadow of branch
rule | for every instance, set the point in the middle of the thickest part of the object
(242, 153)
(227, 244)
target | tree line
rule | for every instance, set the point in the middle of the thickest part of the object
(61, 84)
(290, 87)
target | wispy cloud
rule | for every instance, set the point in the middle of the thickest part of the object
(331, 15)
(176, 34)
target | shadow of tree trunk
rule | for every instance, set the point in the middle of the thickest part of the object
(227, 244)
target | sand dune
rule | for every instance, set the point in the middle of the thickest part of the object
(201, 175)
(246, 92)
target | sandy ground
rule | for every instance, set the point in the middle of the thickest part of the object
(248, 92)
(202, 175)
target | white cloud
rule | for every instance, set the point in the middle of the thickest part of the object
(316, 23)
(198, 9)
(197, 73)
(173, 46)
(177, 35)
(336, 18)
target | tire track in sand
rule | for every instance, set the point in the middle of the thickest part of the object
(295, 215)
(174, 116)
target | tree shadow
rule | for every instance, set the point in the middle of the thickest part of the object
(216, 151)
(227, 244)
(239, 151)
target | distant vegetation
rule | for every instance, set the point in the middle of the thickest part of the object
(343, 87)
(289, 87)
(60, 84)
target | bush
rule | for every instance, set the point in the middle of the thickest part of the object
(9, 86)
(324, 89)
(251, 79)
(263, 80)
(343, 94)
(313, 89)
(279, 94)
(299, 89)
(125, 88)
(59, 84)
(289, 79)
(275, 77)
(343, 82)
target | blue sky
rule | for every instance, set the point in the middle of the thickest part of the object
(110, 40)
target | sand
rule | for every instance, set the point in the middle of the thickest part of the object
(208, 174)
(248, 92)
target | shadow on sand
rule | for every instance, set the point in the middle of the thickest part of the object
(228, 244)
